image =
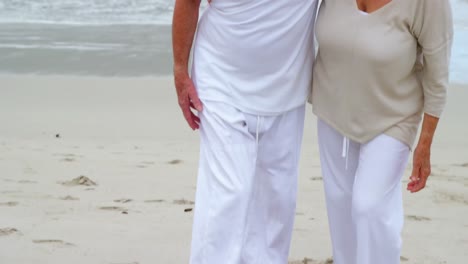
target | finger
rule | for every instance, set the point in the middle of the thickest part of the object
(415, 173)
(414, 181)
(411, 185)
(196, 119)
(188, 115)
(414, 178)
(190, 121)
(419, 185)
(194, 99)
(192, 105)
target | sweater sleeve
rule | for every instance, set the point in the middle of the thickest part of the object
(433, 28)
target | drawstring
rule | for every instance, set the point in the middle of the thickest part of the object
(345, 151)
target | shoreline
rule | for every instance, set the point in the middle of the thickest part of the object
(85, 76)
(122, 76)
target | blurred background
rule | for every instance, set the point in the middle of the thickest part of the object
(118, 37)
(96, 37)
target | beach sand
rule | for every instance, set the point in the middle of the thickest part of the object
(103, 170)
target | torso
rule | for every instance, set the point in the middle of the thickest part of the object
(255, 54)
(366, 69)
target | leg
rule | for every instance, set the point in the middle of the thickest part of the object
(273, 207)
(377, 200)
(338, 179)
(224, 187)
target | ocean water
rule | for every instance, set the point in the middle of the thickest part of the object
(86, 12)
(459, 63)
(89, 37)
(119, 37)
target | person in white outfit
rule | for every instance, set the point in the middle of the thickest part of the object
(251, 75)
(379, 67)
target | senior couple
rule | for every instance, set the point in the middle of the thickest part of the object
(381, 70)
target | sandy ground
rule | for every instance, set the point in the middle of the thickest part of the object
(103, 170)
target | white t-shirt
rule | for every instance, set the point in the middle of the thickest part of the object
(256, 55)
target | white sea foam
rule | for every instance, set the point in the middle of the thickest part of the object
(63, 46)
(87, 12)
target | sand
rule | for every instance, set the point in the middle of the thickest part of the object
(103, 170)
(102, 50)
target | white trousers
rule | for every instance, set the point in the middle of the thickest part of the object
(247, 185)
(363, 195)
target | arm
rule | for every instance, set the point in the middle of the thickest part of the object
(184, 25)
(433, 27)
(422, 155)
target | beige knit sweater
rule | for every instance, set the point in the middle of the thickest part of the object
(377, 73)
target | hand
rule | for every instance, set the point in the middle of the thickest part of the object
(421, 168)
(188, 98)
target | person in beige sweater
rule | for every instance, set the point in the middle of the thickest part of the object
(380, 67)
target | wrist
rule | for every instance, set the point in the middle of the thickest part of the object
(424, 143)
(180, 69)
(425, 139)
